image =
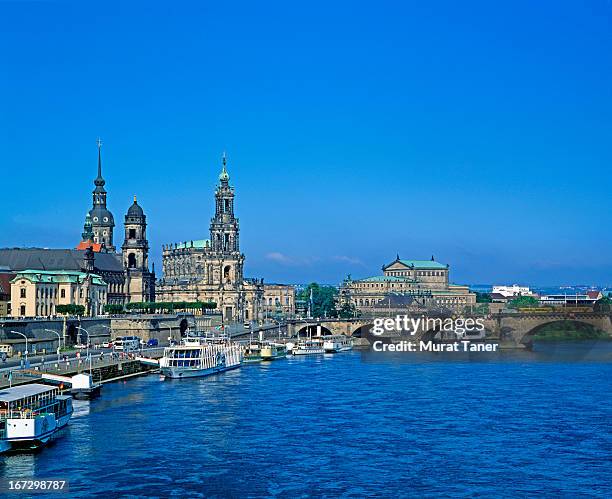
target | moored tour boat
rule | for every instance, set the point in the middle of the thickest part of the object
(200, 357)
(30, 415)
(308, 347)
(337, 343)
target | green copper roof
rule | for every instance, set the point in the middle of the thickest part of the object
(224, 176)
(56, 276)
(422, 264)
(199, 243)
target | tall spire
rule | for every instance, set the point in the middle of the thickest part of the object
(99, 181)
(224, 176)
(87, 233)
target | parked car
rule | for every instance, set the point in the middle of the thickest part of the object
(80, 346)
(153, 342)
(107, 344)
(247, 325)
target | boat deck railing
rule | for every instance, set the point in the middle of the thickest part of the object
(22, 414)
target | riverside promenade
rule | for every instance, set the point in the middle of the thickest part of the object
(103, 368)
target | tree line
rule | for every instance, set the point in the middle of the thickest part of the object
(324, 302)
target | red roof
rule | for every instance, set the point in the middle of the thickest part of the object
(594, 295)
(83, 245)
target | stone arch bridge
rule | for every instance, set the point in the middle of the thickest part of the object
(510, 329)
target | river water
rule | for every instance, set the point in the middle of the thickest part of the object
(351, 425)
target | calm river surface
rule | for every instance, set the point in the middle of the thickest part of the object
(351, 425)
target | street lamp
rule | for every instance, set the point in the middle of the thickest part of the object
(87, 345)
(279, 327)
(170, 328)
(26, 346)
(59, 341)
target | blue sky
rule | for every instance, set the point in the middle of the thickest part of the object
(479, 132)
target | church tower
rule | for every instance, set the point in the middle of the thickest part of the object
(140, 283)
(102, 221)
(224, 232)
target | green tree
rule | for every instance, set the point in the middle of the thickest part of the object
(603, 304)
(70, 309)
(323, 299)
(483, 297)
(348, 310)
(524, 302)
(113, 308)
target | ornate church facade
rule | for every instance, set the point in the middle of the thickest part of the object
(213, 269)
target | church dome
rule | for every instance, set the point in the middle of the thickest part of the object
(224, 176)
(135, 210)
(100, 216)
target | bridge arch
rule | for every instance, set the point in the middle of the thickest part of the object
(183, 325)
(362, 330)
(561, 329)
(306, 331)
(72, 334)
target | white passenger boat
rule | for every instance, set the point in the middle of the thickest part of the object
(273, 351)
(200, 357)
(30, 415)
(308, 347)
(337, 343)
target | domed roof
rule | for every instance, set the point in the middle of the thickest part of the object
(224, 176)
(100, 216)
(135, 210)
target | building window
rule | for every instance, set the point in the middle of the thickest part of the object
(132, 234)
(132, 261)
(22, 293)
(22, 310)
(63, 293)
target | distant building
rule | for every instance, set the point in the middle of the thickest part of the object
(405, 284)
(511, 291)
(278, 300)
(5, 291)
(39, 292)
(577, 299)
(500, 298)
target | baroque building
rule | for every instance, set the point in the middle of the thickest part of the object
(213, 269)
(39, 292)
(407, 284)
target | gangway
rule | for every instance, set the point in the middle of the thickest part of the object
(148, 361)
(81, 385)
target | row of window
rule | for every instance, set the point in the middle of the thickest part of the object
(276, 300)
(422, 273)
